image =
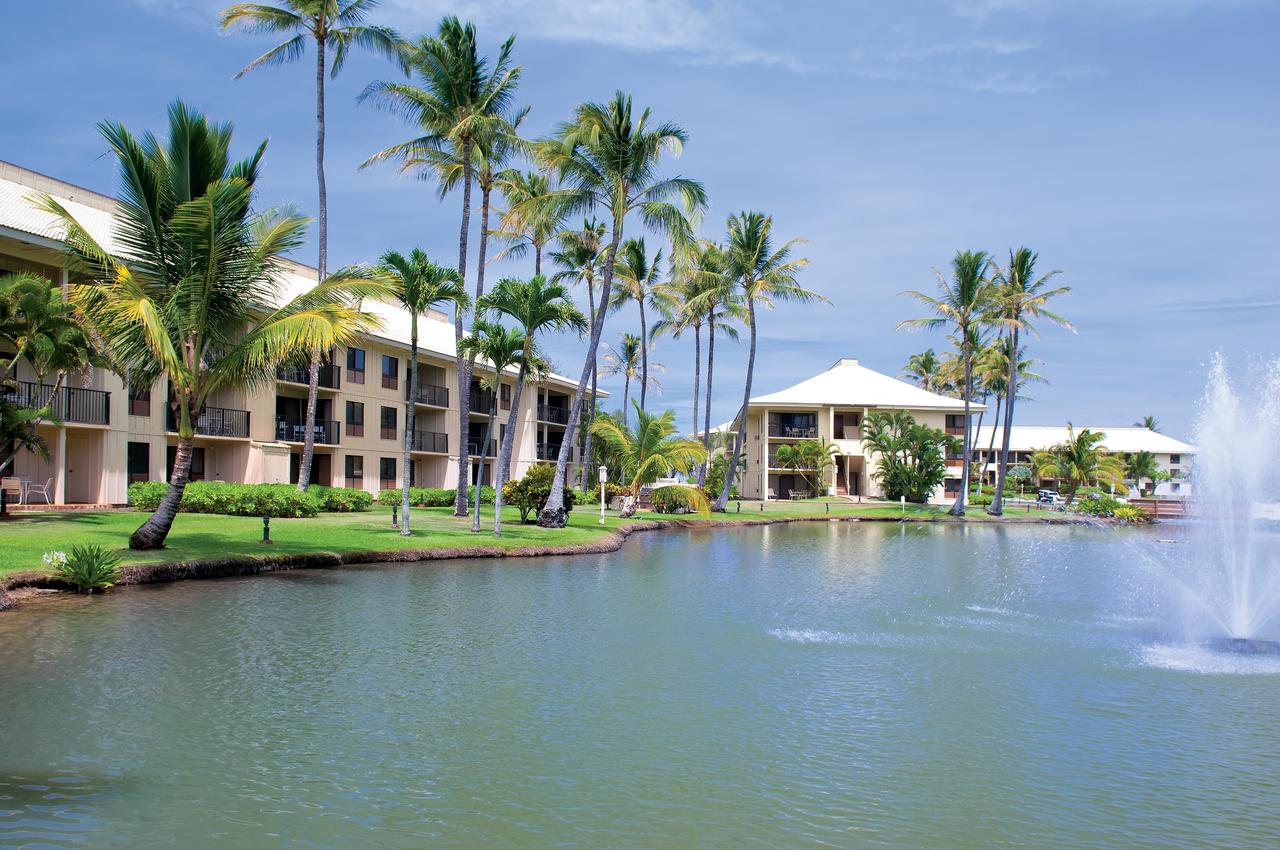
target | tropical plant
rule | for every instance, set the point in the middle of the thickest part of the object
(925, 370)
(419, 285)
(537, 307)
(639, 278)
(1080, 460)
(678, 499)
(649, 452)
(1131, 515)
(811, 459)
(502, 348)
(763, 275)
(910, 456)
(529, 493)
(962, 304)
(1140, 465)
(1149, 422)
(626, 360)
(606, 157)
(1021, 300)
(716, 296)
(332, 25)
(194, 295)
(459, 101)
(88, 568)
(533, 216)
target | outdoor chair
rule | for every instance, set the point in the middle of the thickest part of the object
(770, 494)
(12, 486)
(42, 490)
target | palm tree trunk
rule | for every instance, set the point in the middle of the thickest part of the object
(309, 438)
(957, 509)
(484, 449)
(722, 501)
(461, 362)
(588, 471)
(706, 425)
(152, 533)
(537, 260)
(1011, 392)
(644, 354)
(410, 425)
(697, 372)
(981, 414)
(553, 514)
(508, 444)
(626, 393)
(313, 374)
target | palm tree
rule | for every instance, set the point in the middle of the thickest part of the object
(639, 278)
(625, 360)
(962, 304)
(460, 101)
(532, 217)
(1080, 460)
(809, 457)
(673, 301)
(501, 348)
(331, 24)
(1140, 465)
(419, 285)
(579, 257)
(1149, 422)
(925, 369)
(606, 157)
(764, 276)
(650, 451)
(537, 307)
(719, 300)
(1021, 300)
(194, 295)
(993, 374)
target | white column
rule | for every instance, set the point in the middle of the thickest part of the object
(60, 476)
(764, 455)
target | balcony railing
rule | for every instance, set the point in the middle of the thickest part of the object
(70, 404)
(558, 415)
(481, 400)
(549, 451)
(430, 441)
(795, 432)
(432, 394)
(473, 448)
(293, 429)
(330, 376)
(216, 422)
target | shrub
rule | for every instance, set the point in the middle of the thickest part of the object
(213, 497)
(1099, 505)
(341, 500)
(435, 497)
(678, 499)
(1131, 514)
(529, 494)
(715, 477)
(89, 568)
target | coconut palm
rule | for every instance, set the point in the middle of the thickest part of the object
(1140, 465)
(194, 294)
(651, 451)
(533, 217)
(332, 25)
(763, 275)
(1080, 460)
(1149, 422)
(502, 348)
(638, 280)
(961, 304)
(993, 375)
(719, 300)
(537, 307)
(1021, 301)
(925, 370)
(811, 459)
(459, 101)
(625, 360)
(580, 257)
(419, 285)
(607, 157)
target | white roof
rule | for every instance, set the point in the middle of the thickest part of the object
(1025, 438)
(96, 213)
(848, 384)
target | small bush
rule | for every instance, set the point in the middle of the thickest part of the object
(1099, 505)
(213, 497)
(436, 497)
(678, 499)
(529, 494)
(89, 568)
(1131, 514)
(341, 500)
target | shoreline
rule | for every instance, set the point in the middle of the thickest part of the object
(23, 587)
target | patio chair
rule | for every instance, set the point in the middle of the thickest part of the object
(770, 494)
(12, 486)
(41, 490)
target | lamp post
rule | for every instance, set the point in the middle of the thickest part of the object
(604, 474)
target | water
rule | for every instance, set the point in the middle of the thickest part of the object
(821, 685)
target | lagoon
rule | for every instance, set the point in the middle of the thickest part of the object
(815, 685)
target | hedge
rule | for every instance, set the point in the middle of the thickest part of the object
(341, 500)
(212, 497)
(435, 497)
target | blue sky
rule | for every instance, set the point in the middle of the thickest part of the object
(1133, 143)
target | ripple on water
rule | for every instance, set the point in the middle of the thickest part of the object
(1197, 658)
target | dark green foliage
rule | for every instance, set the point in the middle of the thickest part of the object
(530, 493)
(678, 499)
(341, 500)
(90, 568)
(276, 500)
(434, 497)
(1098, 505)
(715, 476)
(911, 459)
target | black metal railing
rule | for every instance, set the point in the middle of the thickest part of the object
(558, 415)
(430, 441)
(481, 400)
(330, 376)
(473, 448)
(432, 394)
(216, 422)
(549, 451)
(796, 432)
(70, 404)
(293, 429)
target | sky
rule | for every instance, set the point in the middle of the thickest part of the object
(1132, 143)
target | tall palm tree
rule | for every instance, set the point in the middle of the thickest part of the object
(651, 450)
(459, 100)
(1080, 460)
(1021, 300)
(1149, 422)
(332, 25)
(673, 300)
(993, 374)
(418, 285)
(639, 277)
(625, 360)
(501, 348)
(579, 257)
(194, 295)
(607, 157)
(962, 304)
(533, 217)
(763, 275)
(1140, 465)
(925, 370)
(537, 307)
(719, 300)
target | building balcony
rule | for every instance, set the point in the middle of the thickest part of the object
(793, 432)
(481, 400)
(473, 448)
(69, 404)
(216, 422)
(555, 415)
(548, 451)
(330, 376)
(293, 429)
(430, 441)
(432, 395)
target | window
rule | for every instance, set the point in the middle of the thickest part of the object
(505, 396)
(390, 372)
(952, 486)
(388, 423)
(139, 401)
(355, 471)
(387, 473)
(139, 462)
(1177, 488)
(955, 424)
(1174, 459)
(197, 463)
(355, 365)
(355, 419)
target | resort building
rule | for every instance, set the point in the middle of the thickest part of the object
(832, 406)
(1172, 456)
(113, 433)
